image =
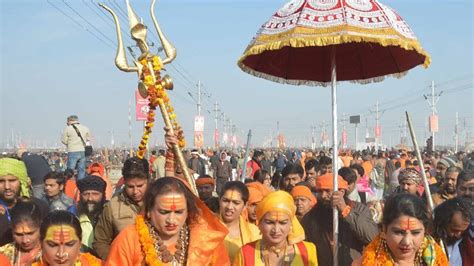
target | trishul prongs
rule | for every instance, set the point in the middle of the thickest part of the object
(138, 32)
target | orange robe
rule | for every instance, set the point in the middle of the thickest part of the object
(86, 259)
(367, 165)
(4, 260)
(98, 169)
(71, 190)
(206, 243)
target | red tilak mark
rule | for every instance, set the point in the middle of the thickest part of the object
(61, 236)
(408, 224)
(173, 204)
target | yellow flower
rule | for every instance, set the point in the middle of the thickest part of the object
(146, 241)
(157, 64)
(148, 81)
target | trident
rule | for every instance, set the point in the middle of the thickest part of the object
(138, 33)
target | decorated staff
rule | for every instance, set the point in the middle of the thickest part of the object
(151, 84)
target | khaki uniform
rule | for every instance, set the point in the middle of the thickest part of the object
(118, 213)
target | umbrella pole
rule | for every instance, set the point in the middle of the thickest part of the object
(334, 153)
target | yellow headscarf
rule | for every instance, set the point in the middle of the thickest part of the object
(14, 167)
(281, 201)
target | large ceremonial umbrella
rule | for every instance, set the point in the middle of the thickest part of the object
(320, 42)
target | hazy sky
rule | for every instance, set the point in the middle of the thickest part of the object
(53, 65)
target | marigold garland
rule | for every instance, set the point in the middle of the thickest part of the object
(146, 242)
(373, 256)
(156, 93)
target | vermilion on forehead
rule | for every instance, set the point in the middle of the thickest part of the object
(61, 234)
(173, 202)
(408, 223)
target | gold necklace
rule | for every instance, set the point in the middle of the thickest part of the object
(277, 251)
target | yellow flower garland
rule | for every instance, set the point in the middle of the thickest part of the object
(156, 93)
(432, 256)
(146, 242)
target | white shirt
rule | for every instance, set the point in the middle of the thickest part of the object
(454, 254)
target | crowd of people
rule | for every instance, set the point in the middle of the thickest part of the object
(279, 213)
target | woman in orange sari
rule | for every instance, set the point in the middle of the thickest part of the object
(60, 235)
(282, 236)
(176, 229)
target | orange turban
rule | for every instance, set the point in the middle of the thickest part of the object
(255, 195)
(205, 181)
(326, 182)
(261, 187)
(303, 191)
(282, 202)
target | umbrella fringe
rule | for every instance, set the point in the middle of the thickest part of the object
(271, 43)
(313, 82)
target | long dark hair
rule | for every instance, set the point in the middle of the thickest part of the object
(239, 186)
(406, 204)
(60, 218)
(26, 211)
(170, 184)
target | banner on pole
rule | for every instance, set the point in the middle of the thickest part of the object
(199, 123)
(198, 131)
(141, 107)
(198, 139)
(216, 137)
(344, 138)
(433, 121)
(378, 131)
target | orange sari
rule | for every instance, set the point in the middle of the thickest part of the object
(206, 243)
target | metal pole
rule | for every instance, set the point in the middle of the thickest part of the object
(334, 153)
(433, 109)
(355, 146)
(199, 98)
(247, 150)
(456, 135)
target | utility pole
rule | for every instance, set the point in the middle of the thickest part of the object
(433, 99)
(344, 133)
(313, 141)
(456, 134)
(377, 124)
(199, 98)
(224, 129)
(216, 130)
(323, 134)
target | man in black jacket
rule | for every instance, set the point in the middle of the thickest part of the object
(37, 168)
